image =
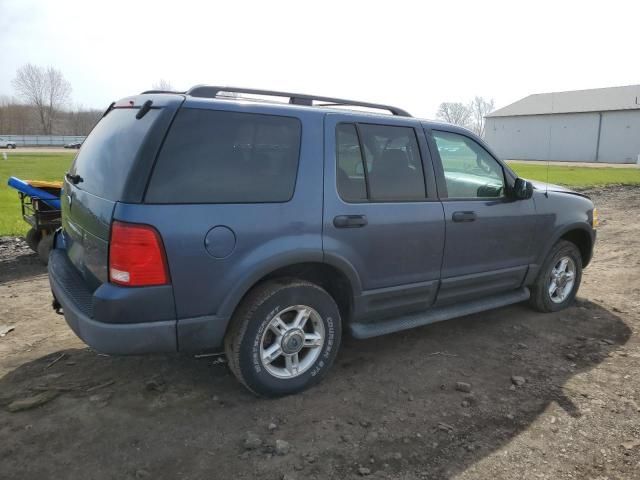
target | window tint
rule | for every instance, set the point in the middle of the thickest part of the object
(392, 159)
(350, 174)
(393, 163)
(108, 153)
(214, 156)
(469, 170)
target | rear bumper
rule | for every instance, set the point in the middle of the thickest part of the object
(78, 303)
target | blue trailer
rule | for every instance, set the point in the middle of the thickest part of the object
(40, 203)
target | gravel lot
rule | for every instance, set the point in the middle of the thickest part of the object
(389, 409)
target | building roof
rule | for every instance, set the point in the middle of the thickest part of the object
(575, 101)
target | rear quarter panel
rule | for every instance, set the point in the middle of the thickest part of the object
(267, 235)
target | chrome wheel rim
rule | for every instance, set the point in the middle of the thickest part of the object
(562, 279)
(292, 341)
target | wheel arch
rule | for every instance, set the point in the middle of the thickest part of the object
(582, 239)
(336, 276)
(580, 234)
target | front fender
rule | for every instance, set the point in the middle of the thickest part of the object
(558, 214)
(559, 233)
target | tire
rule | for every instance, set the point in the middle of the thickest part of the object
(252, 335)
(32, 238)
(44, 247)
(542, 298)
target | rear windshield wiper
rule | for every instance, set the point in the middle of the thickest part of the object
(146, 106)
(109, 108)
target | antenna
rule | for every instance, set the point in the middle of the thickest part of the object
(546, 184)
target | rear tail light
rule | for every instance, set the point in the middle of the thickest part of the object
(136, 256)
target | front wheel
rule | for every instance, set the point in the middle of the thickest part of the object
(559, 278)
(283, 337)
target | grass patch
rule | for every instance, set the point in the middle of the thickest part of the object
(578, 176)
(51, 166)
(26, 166)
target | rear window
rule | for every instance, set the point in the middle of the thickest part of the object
(212, 156)
(108, 153)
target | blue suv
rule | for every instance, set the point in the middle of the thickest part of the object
(218, 218)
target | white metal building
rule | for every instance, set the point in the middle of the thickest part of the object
(597, 125)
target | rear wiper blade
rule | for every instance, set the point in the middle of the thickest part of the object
(146, 106)
(109, 108)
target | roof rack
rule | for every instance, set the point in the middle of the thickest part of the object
(208, 91)
(161, 91)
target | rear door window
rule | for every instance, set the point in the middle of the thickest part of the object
(350, 174)
(381, 163)
(108, 154)
(212, 156)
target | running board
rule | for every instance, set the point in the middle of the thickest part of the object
(437, 314)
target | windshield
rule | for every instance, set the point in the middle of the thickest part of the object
(108, 153)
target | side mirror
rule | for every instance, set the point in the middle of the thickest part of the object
(522, 189)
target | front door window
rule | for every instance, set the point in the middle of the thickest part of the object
(469, 170)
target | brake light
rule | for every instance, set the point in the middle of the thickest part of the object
(136, 256)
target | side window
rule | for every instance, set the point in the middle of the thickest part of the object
(214, 156)
(469, 170)
(389, 168)
(350, 174)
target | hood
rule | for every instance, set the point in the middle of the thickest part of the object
(542, 186)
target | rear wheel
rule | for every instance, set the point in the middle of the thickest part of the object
(32, 238)
(283, 337)
(559, 278)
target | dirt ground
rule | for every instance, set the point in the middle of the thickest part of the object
(388, 409)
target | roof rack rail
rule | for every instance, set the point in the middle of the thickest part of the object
(210, 91)
(161, 91)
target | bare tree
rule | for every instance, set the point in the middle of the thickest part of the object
(16, 118)
(44, 88)
(455, 113)
(480, 108)
(80, 120)
(163, 84)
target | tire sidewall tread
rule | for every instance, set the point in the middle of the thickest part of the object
(242, 342)
(539, 291)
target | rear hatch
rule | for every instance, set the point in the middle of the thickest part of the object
(113, 165)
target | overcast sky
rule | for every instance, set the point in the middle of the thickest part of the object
(414, 54)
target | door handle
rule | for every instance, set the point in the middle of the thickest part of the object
(463, 216)
(350, 221)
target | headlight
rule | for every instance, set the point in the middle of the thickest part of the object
(594, 219)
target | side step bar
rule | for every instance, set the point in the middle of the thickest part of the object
(437, 314)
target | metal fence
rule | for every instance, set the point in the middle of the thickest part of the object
(42, 140)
